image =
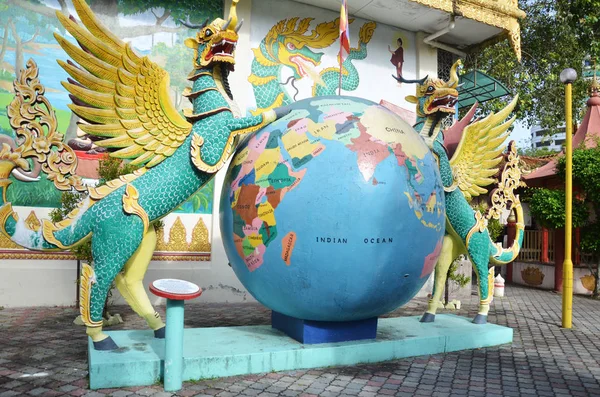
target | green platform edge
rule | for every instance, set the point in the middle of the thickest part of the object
(230, 351)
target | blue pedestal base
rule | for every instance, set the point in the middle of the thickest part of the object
(230, 351)
(312, 332)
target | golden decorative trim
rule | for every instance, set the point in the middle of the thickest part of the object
(503, 14)
(48, 229)
(510, 180)
(88, 277)
(23, 254)
(177, 239)
(267, 117)
(175, 249)
(196, 75)
(32, 222)
(131, 205)
(193, 117)
(480, 225)
(277, 103)
(257, 80)
(34, 121)
(98, 193)
(6, 242)
(197, 142)
(260, 58)
(6, 211)
(191, 95)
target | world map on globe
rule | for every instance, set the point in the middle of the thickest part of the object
(333, 212)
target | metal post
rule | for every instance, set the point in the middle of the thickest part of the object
(174, 345)
(568, 76)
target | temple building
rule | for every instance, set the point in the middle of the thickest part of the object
(541, 258)
(411, 38)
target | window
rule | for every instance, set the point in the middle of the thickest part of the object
(445, 60)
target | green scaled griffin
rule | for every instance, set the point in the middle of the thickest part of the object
(471, 167)
(124, 100)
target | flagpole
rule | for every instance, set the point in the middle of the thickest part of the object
(340, 83)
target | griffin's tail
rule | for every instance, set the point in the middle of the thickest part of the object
(51, 236)
(502, 197)
(32, 118)
(502, 256)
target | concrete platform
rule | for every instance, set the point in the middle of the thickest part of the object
(228, 351)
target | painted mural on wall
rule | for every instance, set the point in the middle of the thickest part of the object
(296, 57)
(27, 30)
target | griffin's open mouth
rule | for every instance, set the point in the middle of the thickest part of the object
(224, 48)
(303, 64)
(444, 103)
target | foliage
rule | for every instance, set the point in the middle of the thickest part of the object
(33, 194)
(201, 201)
(550, 43)
(69, 201)
(586, 173)
(584, 18)
(495, 228)
(110, 168)
(460, 279)
(531, 151)
(548, 208)
(197, 10)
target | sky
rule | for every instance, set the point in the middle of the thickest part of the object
(520, 134)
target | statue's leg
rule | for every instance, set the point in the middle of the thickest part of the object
(111, 250)
(129, 283)
(441, 272)
(480, 262)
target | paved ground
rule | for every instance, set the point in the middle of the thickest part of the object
(43, 354)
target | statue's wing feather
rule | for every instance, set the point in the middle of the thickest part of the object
(479, 151)
(123, 98)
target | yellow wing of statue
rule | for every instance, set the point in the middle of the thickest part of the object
(479, 152)
(123, 97)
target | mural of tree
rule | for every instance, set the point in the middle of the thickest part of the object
(26, 30)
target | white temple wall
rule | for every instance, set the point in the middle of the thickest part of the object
(29, 282)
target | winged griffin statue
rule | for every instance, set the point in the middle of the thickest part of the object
(124, 100)
(465, 175)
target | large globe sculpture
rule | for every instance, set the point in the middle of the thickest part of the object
(334, 212)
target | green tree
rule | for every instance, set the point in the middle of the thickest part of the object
(177, 60)
(548, 206)
(550, 43)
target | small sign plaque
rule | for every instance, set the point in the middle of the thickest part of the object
(175, 289)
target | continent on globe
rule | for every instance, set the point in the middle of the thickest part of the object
(289, 240)
(334, 212)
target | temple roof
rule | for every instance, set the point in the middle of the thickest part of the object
(478, 22)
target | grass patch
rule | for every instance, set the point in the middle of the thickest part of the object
(34, 194)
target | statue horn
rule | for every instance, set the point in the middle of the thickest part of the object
(226, 25)
(239, 25)
(453, 82)
(403, 80)
(190, 25)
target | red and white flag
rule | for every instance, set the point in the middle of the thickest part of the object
(344, 32)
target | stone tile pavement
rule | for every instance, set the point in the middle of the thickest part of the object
(43, 354)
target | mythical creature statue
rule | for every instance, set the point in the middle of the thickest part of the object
(465, 175)
(288, 45)
(124, 99)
